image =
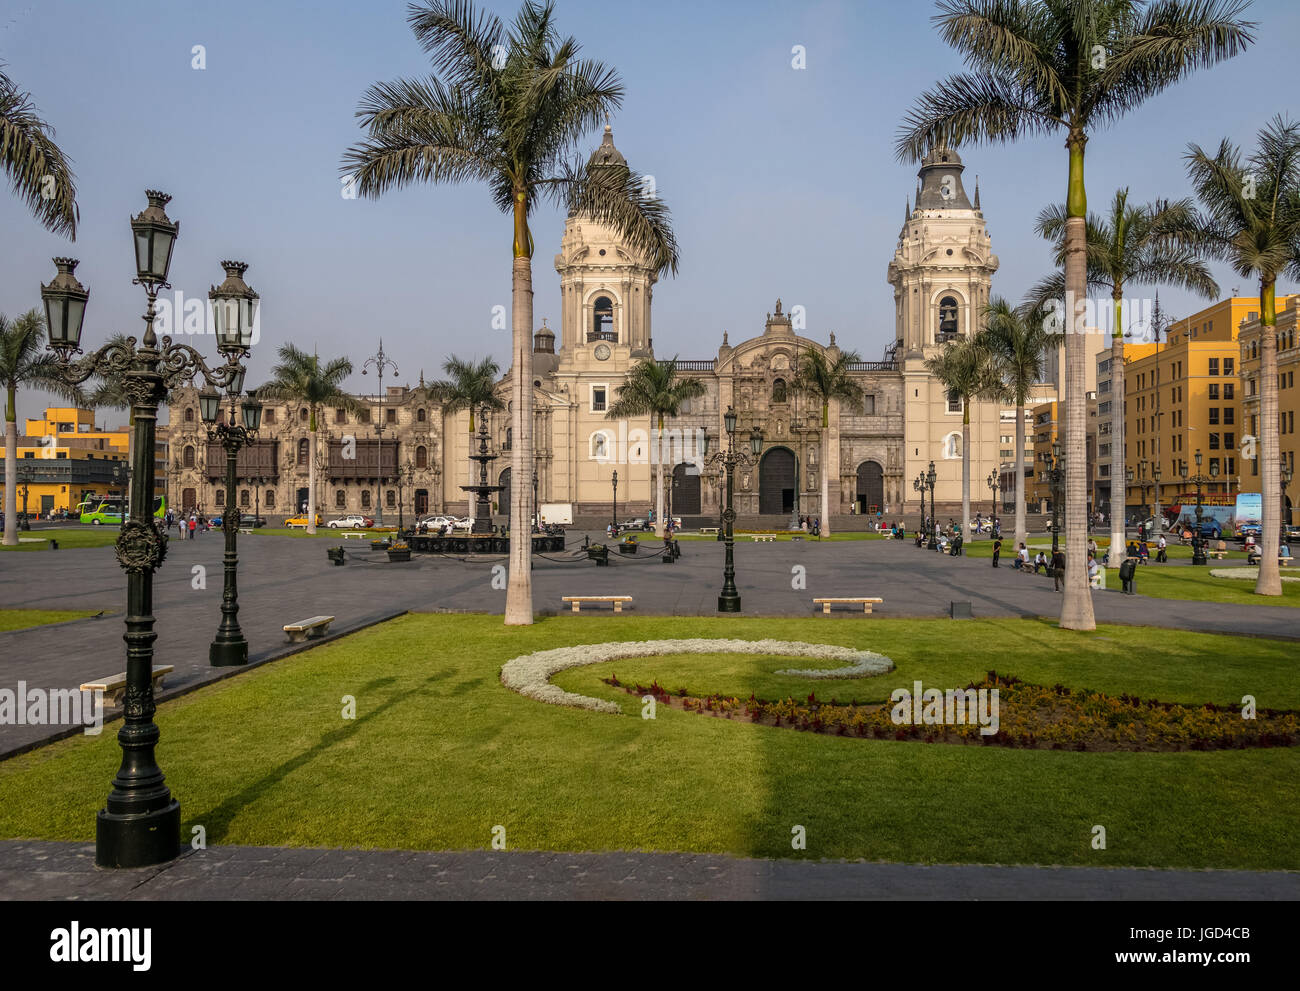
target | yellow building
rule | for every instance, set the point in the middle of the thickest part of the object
(1181, 396)
(1288, 394)
(64, 458)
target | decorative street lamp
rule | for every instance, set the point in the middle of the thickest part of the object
(1198, 544)
(230, 648)
(929, 480)
(380, 361)
(729, 599)
(141, 823)
(536, 527)
(614, 480)
(995, 483)
(25, 475)
(1285, 476)
(1054, 475)
(918, 485)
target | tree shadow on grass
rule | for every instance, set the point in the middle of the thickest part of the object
(217, 821)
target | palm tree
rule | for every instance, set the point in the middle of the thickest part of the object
(823, 378)
(511, 108)
(967, 368)
(23, 362)
(300, 378)
(472, 386)
(33, 163)
(1016, 340)
(653, 388)
(1045, 66)
(1250, 218)
(1131, 245)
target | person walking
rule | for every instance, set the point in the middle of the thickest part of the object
(1161, 544)
(193, 526)
(1058, 569)
(997, 550)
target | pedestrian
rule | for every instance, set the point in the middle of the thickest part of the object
(193, 526)
(1161, 544)
(1058, 569)
(997, 550)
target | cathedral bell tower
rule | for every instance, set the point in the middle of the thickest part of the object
(605, 287)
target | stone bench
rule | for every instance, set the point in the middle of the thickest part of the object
(763, 537)
(863, 601)
(314, 628)
(115, 687)
(577, 600)
(352, 535)
(708, 529)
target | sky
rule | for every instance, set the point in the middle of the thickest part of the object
(782, 181)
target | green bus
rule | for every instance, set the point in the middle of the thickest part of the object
(112, 510)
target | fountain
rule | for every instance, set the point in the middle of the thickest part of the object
(482, 505)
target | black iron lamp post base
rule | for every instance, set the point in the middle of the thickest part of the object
(138, 840)
(728, 603)
(227, 653)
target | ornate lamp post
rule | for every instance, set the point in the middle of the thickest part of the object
(614, 481)
(1128, 478)
(141, 823)
(995, 484)
(928, 481)
(1055, 477)
(1198, 545)
(1155, 491)
(25, 474)
(729, 599)
(380, 362)
(1285, 476)
(405, 478)
(536, 527)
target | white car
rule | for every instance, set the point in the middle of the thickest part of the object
(353, 522)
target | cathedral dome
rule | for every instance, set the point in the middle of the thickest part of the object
(940, 176)
(607, 154)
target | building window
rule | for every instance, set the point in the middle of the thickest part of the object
(363, 416)
(602, 320)
(303, 415)
(390, 415)
(598, 398)
(1229, 441)
(1228, 390)
(1232, 466)
(189, 414)
(340, 416)
(1214, 442)
(1214, 391)
(221, 497)
(1214, 414)
(421, 415)
(778, 391)
(245, 498)
(1228, 366)
(268, 500)
(391, 499)
(340, 499)
(422, 457)
(1214, 366)
(947, 318)
(954, 401)
(509, 438)
(268, 416)
(1229, 414)
(869, 405)
(187, 456)
(304, 452)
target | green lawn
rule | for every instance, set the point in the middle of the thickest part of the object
(1198, 585)
(68, 539)
(21, 619)
(440, 752)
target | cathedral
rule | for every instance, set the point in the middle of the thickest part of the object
(941, 273)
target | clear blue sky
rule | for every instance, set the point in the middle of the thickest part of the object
(781, 182)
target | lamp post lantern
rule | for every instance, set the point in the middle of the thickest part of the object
(140, 824)
(995, 484)
(729, 597)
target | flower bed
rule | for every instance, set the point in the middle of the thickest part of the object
(530, 674)
(1030, 716)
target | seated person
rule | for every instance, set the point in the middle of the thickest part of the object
(1041, 562)
(1022, 558)
(943, 543)
(1144, 553)
(1284, 549)
(1132, 549)
(1094, 569)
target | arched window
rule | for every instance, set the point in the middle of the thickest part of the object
(189, 414)
(365, 498)
(221, 497)
(422, 457)
(600, 446)
(778, 391)
(420, 416)
(952, 447)
(245, 499)
(340, 499)
(510, 434)
(947, 317)
(268, 500)
(187, 457)
(304, 452)
(303, 415)
(602, 320)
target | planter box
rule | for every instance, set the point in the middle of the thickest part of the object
(627, 548)
(399, 555)
(379, 545)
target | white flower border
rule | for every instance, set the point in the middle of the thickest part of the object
(530, 675)
(1245, 573)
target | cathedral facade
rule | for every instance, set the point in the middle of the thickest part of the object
(941, 273)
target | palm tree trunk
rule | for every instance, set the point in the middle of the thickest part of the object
(965, 468)
(1118, 460)
(826, 470)
(11, 469)
(659, 473)
(1076, 609)
(1270, 581)
(311, 475)
(519, 589)
(1022, 535)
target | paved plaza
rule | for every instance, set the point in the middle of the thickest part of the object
(283, 579)
(67, 871)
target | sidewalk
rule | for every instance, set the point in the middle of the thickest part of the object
(58, 871)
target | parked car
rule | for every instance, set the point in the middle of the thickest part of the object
(245, 520)
(293, 522)
(436, 523)
(353, 521)
(1291, 531)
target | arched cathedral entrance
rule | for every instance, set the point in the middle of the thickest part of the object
(870, 488)
(776, 482)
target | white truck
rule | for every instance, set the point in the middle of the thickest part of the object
(556, 512)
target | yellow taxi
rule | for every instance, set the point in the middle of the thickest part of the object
(301, 521)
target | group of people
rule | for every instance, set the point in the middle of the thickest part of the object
(1055, 566)
(1141, 550)
(187, 526)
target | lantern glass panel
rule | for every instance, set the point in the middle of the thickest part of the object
(209, 403)
(253, 415)
(729, 419)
